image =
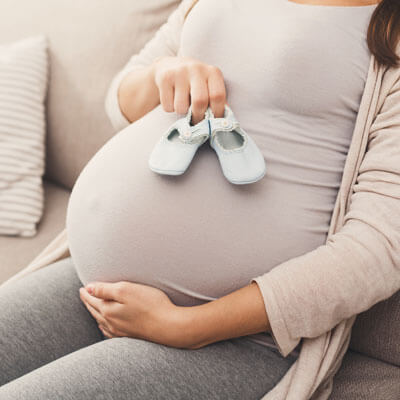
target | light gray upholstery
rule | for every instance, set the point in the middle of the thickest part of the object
(89, 42)
(376, 332)
(16, 252)
(365, 378)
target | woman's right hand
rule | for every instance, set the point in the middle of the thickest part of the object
(182, 81)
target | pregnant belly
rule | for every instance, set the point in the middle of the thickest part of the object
(195, 236)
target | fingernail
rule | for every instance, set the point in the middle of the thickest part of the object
(89, 288)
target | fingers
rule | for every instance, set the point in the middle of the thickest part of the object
(93, 301)
(93, 305)
(183, 81)
(166, 90)
(182, 90)
(95, 313)
(217, 92)
(106, 332)
(106, 290)
(198, 98)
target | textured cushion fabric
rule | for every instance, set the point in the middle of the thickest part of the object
(90, 41)
(23, 85)
(365, 378)
(17, 252)
(376, 332)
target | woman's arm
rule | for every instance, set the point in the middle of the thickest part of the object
(236, 314)
(138, 94)
(141, 311)
(164, 43)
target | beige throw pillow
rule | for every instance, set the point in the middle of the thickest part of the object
(23, 87)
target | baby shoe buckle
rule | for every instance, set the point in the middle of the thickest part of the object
(222, 124)
(191, 134)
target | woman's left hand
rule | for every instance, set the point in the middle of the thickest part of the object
(134, 310)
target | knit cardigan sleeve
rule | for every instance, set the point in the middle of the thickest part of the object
(359, 265)
(165, 42)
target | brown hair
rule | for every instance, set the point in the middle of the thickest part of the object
(383, 32)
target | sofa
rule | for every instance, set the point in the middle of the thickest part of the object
(89, 41)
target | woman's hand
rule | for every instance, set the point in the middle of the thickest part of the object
(134, 310)
(182, 81)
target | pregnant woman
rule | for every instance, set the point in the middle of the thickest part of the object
(185, 298)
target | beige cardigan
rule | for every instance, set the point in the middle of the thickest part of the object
(315, 297)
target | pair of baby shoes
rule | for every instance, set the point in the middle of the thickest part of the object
(240, 158)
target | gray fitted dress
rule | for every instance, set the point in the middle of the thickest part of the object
(197, 236)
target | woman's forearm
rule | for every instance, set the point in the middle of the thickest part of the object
(138, 94)
(239, 313)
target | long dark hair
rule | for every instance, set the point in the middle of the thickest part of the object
(383, 32)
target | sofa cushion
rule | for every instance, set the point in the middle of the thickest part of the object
(90, 41)
(361, 377)
(376, 332)
(17, 252)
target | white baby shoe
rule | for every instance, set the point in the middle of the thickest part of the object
(241, 160)
(177, 146)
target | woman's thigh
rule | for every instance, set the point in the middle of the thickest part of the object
(42, 318)
(126, 368)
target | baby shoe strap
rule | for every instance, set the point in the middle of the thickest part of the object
(228, 113)
(222, 124)
(192, 134)
(227, 123)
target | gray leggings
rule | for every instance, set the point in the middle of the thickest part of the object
(51, 348)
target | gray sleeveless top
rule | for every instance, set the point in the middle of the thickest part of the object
(295, 75)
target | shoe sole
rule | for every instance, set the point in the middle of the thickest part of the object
(166, 172)
(246, 182)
